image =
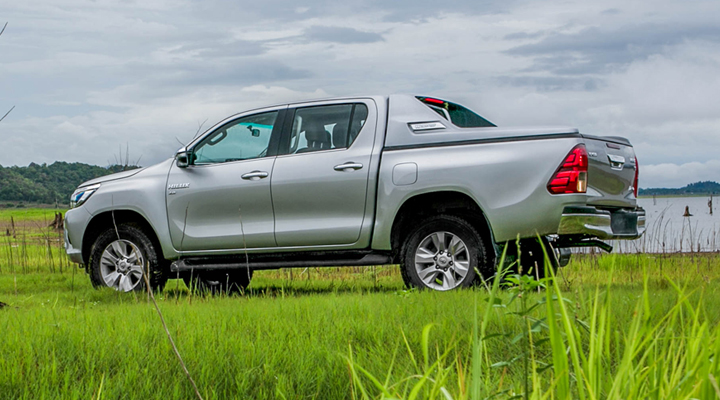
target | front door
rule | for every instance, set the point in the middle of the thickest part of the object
(222, 201)
(320, 179)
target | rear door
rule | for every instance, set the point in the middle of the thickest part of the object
(320, 178)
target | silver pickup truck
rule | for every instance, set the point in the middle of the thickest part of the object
(410, 180)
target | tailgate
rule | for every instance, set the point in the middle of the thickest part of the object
(611, 171)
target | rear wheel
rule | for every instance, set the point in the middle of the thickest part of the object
(443, 253)
(217, 282)
(119, 258)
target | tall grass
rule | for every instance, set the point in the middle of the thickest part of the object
(610, 326)
(567, 348)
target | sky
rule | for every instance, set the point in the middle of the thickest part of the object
(92, 79)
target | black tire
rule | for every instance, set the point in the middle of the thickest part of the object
(138, 241)
(438, 273)
(529, 257)
(219, 282)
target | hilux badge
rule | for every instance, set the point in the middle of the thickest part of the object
(179, 186)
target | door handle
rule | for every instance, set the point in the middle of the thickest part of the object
(255, 175)
(348, 166)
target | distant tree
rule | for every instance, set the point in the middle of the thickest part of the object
(705, 187)
(48, 184)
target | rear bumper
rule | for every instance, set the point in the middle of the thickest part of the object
(602, 224)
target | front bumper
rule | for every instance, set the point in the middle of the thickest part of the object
(74, 254)
(76, 221)
(602, 224)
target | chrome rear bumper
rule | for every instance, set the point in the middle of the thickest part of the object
(602, 224)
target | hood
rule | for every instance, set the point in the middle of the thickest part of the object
(112, 177)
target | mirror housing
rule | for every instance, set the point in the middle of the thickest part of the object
(182, 159)
(253, 131)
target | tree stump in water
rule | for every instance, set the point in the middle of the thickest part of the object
(687, 212)
(710, 205)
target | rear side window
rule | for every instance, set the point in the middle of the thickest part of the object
(455, 113)
(326, 127)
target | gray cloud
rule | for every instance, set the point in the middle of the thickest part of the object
(219, 48)
(674, 175)
(229, 71)
(238, 72)
(89, 76)
(392, 11)
(523, 35)
(599, 50)
(338, 34)
(553, 83)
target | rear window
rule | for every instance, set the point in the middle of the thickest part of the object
(455, 113)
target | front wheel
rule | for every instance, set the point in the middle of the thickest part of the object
(119, 258)
(443, 253)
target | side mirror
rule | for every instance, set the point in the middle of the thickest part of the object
(253, 131)
(182, 159)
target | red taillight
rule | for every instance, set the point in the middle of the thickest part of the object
(435, 101)
(635, 183)
(571, 176)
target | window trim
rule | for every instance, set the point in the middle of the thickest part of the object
(283, 148)
(442, 111)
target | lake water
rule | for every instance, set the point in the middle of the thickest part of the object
(669, 231)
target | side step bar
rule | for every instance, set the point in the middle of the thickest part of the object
(208, 264)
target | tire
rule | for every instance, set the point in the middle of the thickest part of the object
(531, 258)
(118, 259)
(218, 282)
(443, 253)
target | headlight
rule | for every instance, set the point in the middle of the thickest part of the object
(82, 194)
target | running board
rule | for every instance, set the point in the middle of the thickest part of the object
(207, 264)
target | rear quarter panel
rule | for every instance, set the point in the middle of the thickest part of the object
(507, 179)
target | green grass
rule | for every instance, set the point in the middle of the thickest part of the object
(634, 326)
(28, 214)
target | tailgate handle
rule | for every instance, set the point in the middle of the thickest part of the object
(616, 162)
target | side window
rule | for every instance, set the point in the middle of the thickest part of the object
(326, 127)
(242, 139)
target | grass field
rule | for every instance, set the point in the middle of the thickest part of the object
(613, 326)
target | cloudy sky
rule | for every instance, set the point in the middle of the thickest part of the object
(90, 77)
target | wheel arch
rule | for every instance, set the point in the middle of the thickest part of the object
(107, 219)
(449, 202)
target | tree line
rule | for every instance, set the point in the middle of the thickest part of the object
(48, 184)
(704, 187)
